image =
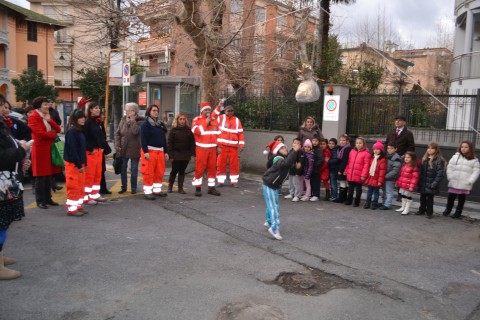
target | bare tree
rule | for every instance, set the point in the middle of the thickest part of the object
(443, 35)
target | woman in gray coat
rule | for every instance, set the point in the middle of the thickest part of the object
(127, 144)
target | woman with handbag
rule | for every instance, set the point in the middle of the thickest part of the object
(127, 145)
(44, 133)
(12, 153)
(95, 144)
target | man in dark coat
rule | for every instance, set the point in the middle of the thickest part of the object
(401, 137)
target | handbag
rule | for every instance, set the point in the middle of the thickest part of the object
(57, 153)
(10, 187)
(117, 163)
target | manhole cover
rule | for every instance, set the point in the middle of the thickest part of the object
(250, 311)
(313, 283)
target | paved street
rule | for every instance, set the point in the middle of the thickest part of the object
(184, 257)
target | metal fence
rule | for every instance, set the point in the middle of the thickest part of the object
(273, 111)
(449, 118)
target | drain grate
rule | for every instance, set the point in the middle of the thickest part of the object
(314, 283)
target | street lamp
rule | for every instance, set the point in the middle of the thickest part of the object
(71, 72)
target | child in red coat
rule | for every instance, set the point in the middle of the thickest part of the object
(357, 171)
(408, 180)
(376, 175)
(324, 171)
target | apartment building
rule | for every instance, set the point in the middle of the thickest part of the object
(26, 41)
(260, 38)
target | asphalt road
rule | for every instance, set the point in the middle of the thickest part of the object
(184, 257)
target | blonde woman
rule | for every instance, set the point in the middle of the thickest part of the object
(181, 148)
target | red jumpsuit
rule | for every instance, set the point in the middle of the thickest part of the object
(230, 140)
(206, 148)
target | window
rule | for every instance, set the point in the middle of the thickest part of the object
(236, 41)
(31, 31)
(259, 15)
(259, 46)
(32, 61)
(281, 23)
(236, 6)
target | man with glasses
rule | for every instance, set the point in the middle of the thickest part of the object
(230, 141)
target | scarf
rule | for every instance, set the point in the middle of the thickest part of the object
(341, 151)
(8, 122)
(155, 123)
(373, 166)
(48, 127)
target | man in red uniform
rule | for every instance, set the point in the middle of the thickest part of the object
(204, 128)
(230, 141)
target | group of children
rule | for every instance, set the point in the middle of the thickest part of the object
(345, 170)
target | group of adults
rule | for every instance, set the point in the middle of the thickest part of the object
(214, 139)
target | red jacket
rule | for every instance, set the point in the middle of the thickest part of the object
(408, 177)
(206, 135)
(324, 171)
(379, 175)
(358, 165)
(42, 146)
(231, 131)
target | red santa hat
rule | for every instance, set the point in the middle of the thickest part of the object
(82, 102)
(277, 146)
(204, 106)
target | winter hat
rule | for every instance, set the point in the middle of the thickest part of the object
(204, 106)
(307, 143)
(82, 102)
(277, 146)
(379, 145)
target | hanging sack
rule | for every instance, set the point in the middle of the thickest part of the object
(57, 153)
(117, 163)
(308, 91)
(10, 187)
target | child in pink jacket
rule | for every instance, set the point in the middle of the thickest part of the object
(357, 170)
(407, 181)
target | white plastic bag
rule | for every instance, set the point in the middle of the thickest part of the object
(308, 91)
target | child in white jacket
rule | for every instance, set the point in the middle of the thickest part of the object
(462, 171)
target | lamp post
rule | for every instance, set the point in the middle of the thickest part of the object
(71, 72)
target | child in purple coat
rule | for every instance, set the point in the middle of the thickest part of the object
(308, 162)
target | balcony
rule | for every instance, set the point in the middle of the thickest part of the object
(4, 37)
(461, 3)
(4, 74)
(466, 66)
(63, 83)
(154, 46)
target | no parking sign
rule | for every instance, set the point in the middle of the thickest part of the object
(126, 74)
(330, 108)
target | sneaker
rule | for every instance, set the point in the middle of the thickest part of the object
(213, 192)
(267, 225)
(295, 199)
(314, 198)
(288, 196)
(82, 210)
(149, 196)
(384, 208)
(276, 235)
(234, 185)
(305, 198)
(91, 202)
(101, 199)
(161, 194)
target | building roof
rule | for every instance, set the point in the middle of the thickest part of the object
(30, 15)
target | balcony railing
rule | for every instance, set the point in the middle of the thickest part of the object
(461, 3)
(4, 37)
(155, 45)
(466, 66)
(4, 74)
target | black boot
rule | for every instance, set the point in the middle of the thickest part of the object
(366, 205)
(349, 199)
(461, 202)
(457, 214)
(429, 214)
(181, 179)
(171, 181)
(450, 202)
(341, 196)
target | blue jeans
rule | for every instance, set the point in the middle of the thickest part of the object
(133, 172)
(333, 184)
(375, 192)
(388, 193)
(272, 213)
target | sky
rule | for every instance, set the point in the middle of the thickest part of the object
(414, 20)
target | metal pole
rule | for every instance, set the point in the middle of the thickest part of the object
(475, 123)
(71, 75)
